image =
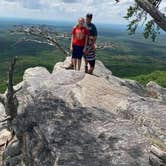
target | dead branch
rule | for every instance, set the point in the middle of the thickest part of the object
(2, 98)
(11, 102)
(49, 37)
(9, 99)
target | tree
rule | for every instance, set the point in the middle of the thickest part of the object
(9, 99)
(139, 12)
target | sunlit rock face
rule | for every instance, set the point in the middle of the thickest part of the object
(69, 118)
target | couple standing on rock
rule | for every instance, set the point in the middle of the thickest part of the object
(83, 44)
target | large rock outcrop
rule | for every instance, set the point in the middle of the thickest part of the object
(69, 118)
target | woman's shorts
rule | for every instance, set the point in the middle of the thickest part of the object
(77, 52)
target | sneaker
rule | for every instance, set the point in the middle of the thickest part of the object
(70, 67)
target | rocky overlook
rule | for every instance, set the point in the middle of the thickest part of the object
(69, 118)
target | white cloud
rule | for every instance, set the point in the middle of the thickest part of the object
(104, 11)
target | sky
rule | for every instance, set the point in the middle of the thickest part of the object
(65, 10)
(107, 11)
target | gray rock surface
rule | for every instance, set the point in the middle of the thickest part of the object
(156, 91)
(69, 118)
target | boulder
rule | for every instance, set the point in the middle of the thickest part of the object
(70, 118)
(156, 91)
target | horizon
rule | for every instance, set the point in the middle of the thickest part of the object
(53, 21)
(68, 23)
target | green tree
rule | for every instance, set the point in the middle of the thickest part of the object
(140, 12)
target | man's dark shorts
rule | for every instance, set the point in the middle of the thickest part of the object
(77, 52)
(92, 63)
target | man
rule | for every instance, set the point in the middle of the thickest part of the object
(90, 53)
(93, 33)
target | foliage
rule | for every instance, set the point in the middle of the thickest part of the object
(157, 76)
(136, 15)
(151, 29)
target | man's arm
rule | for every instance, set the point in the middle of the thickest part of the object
(86, 42)
(92, 48)
(94, 35)
(94, 40)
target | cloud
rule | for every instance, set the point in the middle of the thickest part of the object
(70, 1)
(104, 11)
(30, 4)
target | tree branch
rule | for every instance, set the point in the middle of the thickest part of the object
(11, 102)
(2, 98)
(159, 18)
(17, 90)
(48, 36)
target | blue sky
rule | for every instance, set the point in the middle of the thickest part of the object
(104, 11)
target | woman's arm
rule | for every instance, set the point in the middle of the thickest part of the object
(71, 43)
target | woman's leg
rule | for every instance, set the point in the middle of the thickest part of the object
(79, 63)
(75, 63)
(79, 59)
(74, 57)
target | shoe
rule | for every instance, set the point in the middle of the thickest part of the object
(71, 67)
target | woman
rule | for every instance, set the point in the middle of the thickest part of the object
(78, 43)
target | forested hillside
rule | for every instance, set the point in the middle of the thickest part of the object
(132, 57)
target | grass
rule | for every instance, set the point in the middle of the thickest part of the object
(45, 59)
(158, 76)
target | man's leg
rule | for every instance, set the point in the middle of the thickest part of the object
(86, 65)
(92, 66)
(90, 71)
